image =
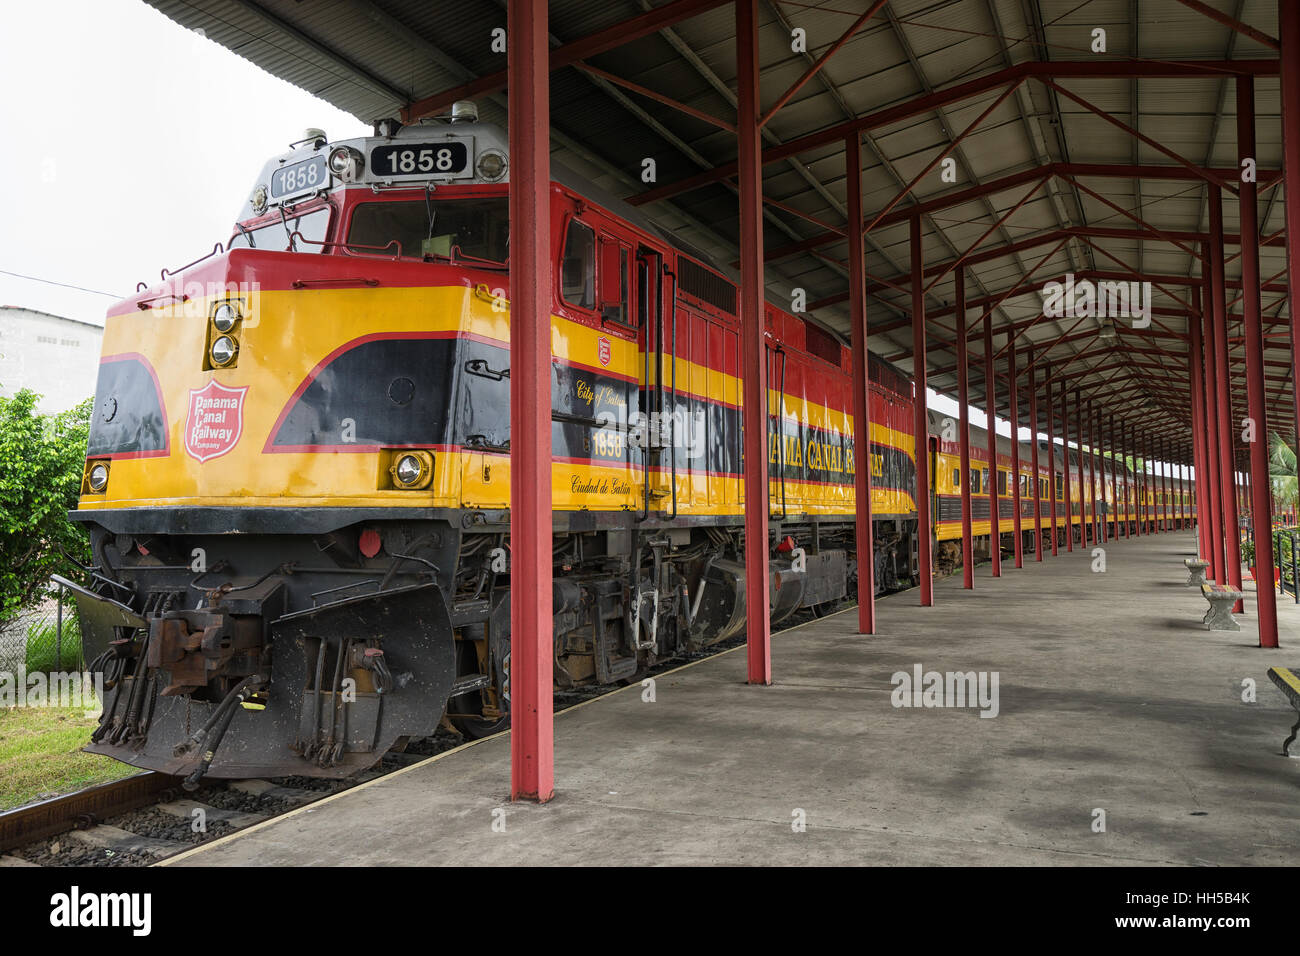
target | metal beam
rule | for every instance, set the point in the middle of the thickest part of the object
(634, 28)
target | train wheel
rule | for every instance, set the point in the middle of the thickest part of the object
(466, 711)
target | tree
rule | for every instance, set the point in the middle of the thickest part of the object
(41, 462)
(1282, 474)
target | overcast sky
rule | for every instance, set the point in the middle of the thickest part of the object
(129, 145)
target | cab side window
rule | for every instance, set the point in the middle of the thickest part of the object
(615, 287)
(578, 266)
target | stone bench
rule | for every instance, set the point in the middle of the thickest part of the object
(1289, 684)
(1219, 616)
(1195, 571)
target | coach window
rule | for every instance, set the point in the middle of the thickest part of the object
(1002, 483)
(578, 268)
(974, 481)
(956, 478)
(1060, 489)
(984, 479)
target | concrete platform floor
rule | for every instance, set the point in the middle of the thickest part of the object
(1111, 697)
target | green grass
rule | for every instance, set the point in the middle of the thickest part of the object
(46, 652)
(40, 754)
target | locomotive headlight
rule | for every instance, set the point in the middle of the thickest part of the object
(224, 350)
(97, 477)
(409, 470)
(412, 470)
(225, 317)
(346, 163)
(491, 165)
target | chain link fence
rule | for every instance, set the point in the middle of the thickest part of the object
(42, 639)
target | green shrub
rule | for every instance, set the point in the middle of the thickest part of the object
(41, 462)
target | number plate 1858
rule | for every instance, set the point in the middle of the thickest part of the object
(306, 176)
(419, 159)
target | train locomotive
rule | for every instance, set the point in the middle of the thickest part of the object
(297, 480)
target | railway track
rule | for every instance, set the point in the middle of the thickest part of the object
(147, 817)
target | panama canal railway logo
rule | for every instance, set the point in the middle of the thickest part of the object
(604, 351)
(215, 422)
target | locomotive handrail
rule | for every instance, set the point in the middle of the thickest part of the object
(466, 257)
(216, 250)
(672, 448)
(334, 280)
(347, 246)
(645, 448)
(780, 429)
(148, 301)
(481, 368)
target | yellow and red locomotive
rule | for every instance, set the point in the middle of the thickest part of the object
(297, 479)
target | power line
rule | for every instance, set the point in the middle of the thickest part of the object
(65, 285)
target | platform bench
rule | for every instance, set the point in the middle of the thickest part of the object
(1195, 571)
(1288, 683)
(1219, 616)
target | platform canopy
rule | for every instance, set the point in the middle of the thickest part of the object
(1035, 138)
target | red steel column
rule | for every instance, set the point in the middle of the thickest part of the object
(1117, 505)
(1083, 507)
(753, 352)
(1098, 527)
(1033, 451)
(1170, 511)
(1213, 527)
(1223, 410)
(921, 429)
(861, 391)
(1139, 485)
(990, 412)
(1288, 22)
(1099, 460)
(1197, 386)
(1260, 484)
(1065, 471)
(1157, 488)
(963, 399)
(1155, 484)
(1051, 457)
(1015, 452)
(1171, 502)
(532, 750)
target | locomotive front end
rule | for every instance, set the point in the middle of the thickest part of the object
(271, 486)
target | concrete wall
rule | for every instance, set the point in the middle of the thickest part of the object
(55, 357)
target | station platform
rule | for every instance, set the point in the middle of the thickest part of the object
(1111, 697)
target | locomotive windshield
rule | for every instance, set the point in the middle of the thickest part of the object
(274, 235)
(479, 228)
